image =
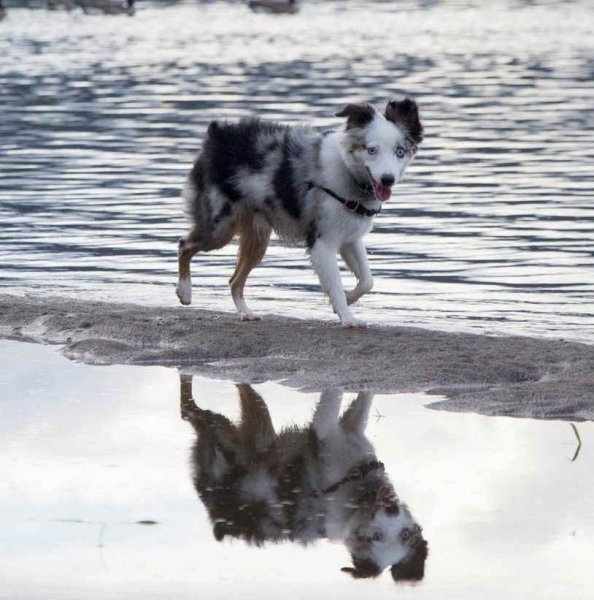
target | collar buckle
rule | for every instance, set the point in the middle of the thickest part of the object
(352, 205)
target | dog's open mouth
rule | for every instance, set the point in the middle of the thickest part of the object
(382, 192)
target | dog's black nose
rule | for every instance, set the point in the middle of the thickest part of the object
(387, 180)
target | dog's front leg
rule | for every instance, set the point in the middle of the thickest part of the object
(355, 256)
(325, 264)
(327, 411)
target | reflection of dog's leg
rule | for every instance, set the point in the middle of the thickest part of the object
(202, 419)
(356, 416)
(189, 410)
(256, 428)
(355, 256)
(253, 241)
(326, 414)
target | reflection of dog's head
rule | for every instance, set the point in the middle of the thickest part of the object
(384, 533)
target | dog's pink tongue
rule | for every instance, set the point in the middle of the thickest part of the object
(381, 192)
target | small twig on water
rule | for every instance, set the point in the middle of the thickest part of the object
(579, 440)
(378, 415)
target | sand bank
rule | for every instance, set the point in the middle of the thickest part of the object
(516, 376)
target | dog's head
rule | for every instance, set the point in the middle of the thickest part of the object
(385, 534)
(377, 148)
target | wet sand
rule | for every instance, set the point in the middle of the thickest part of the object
(515, 376)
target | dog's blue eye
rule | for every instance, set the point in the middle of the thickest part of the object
(372, 150)
(400, 152)
(377, 537)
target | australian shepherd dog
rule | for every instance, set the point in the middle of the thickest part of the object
(319, 190)
(303, 484)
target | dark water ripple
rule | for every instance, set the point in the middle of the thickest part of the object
(493, 231)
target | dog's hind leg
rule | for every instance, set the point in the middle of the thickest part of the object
(188, 408)
(214, 423)
(254, 236)
(256, 426)
(355, 256)
(325, 416)
(187, 247)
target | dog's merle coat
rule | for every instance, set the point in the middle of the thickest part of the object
(303, 484)
(255, 177)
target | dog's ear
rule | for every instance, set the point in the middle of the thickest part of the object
(351, 571)
(357, 573)
(406, 113)
(362, 569)
(358, 115)
(413, 568)
(219, 532)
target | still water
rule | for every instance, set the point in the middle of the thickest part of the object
(99, 498)
(101, 117)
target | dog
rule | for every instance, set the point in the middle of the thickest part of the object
(322, 481)
(320, 190)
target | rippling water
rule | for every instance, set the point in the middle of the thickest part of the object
(100, 119)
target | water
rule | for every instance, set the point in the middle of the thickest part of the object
(101, 117)
(98, 502)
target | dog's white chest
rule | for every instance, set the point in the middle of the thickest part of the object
(342, 225)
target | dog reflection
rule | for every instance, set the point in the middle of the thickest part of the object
(303, 483)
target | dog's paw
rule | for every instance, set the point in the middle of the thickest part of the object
(184, 291)
(188, 409)
(248, 316)
(353, 323)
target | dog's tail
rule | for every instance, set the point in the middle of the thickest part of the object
(213, 128)
(193, 188)
(197, 180)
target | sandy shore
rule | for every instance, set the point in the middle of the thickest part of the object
(516, 376)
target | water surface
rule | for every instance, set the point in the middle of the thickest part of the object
(98, 502)
(101, 117)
